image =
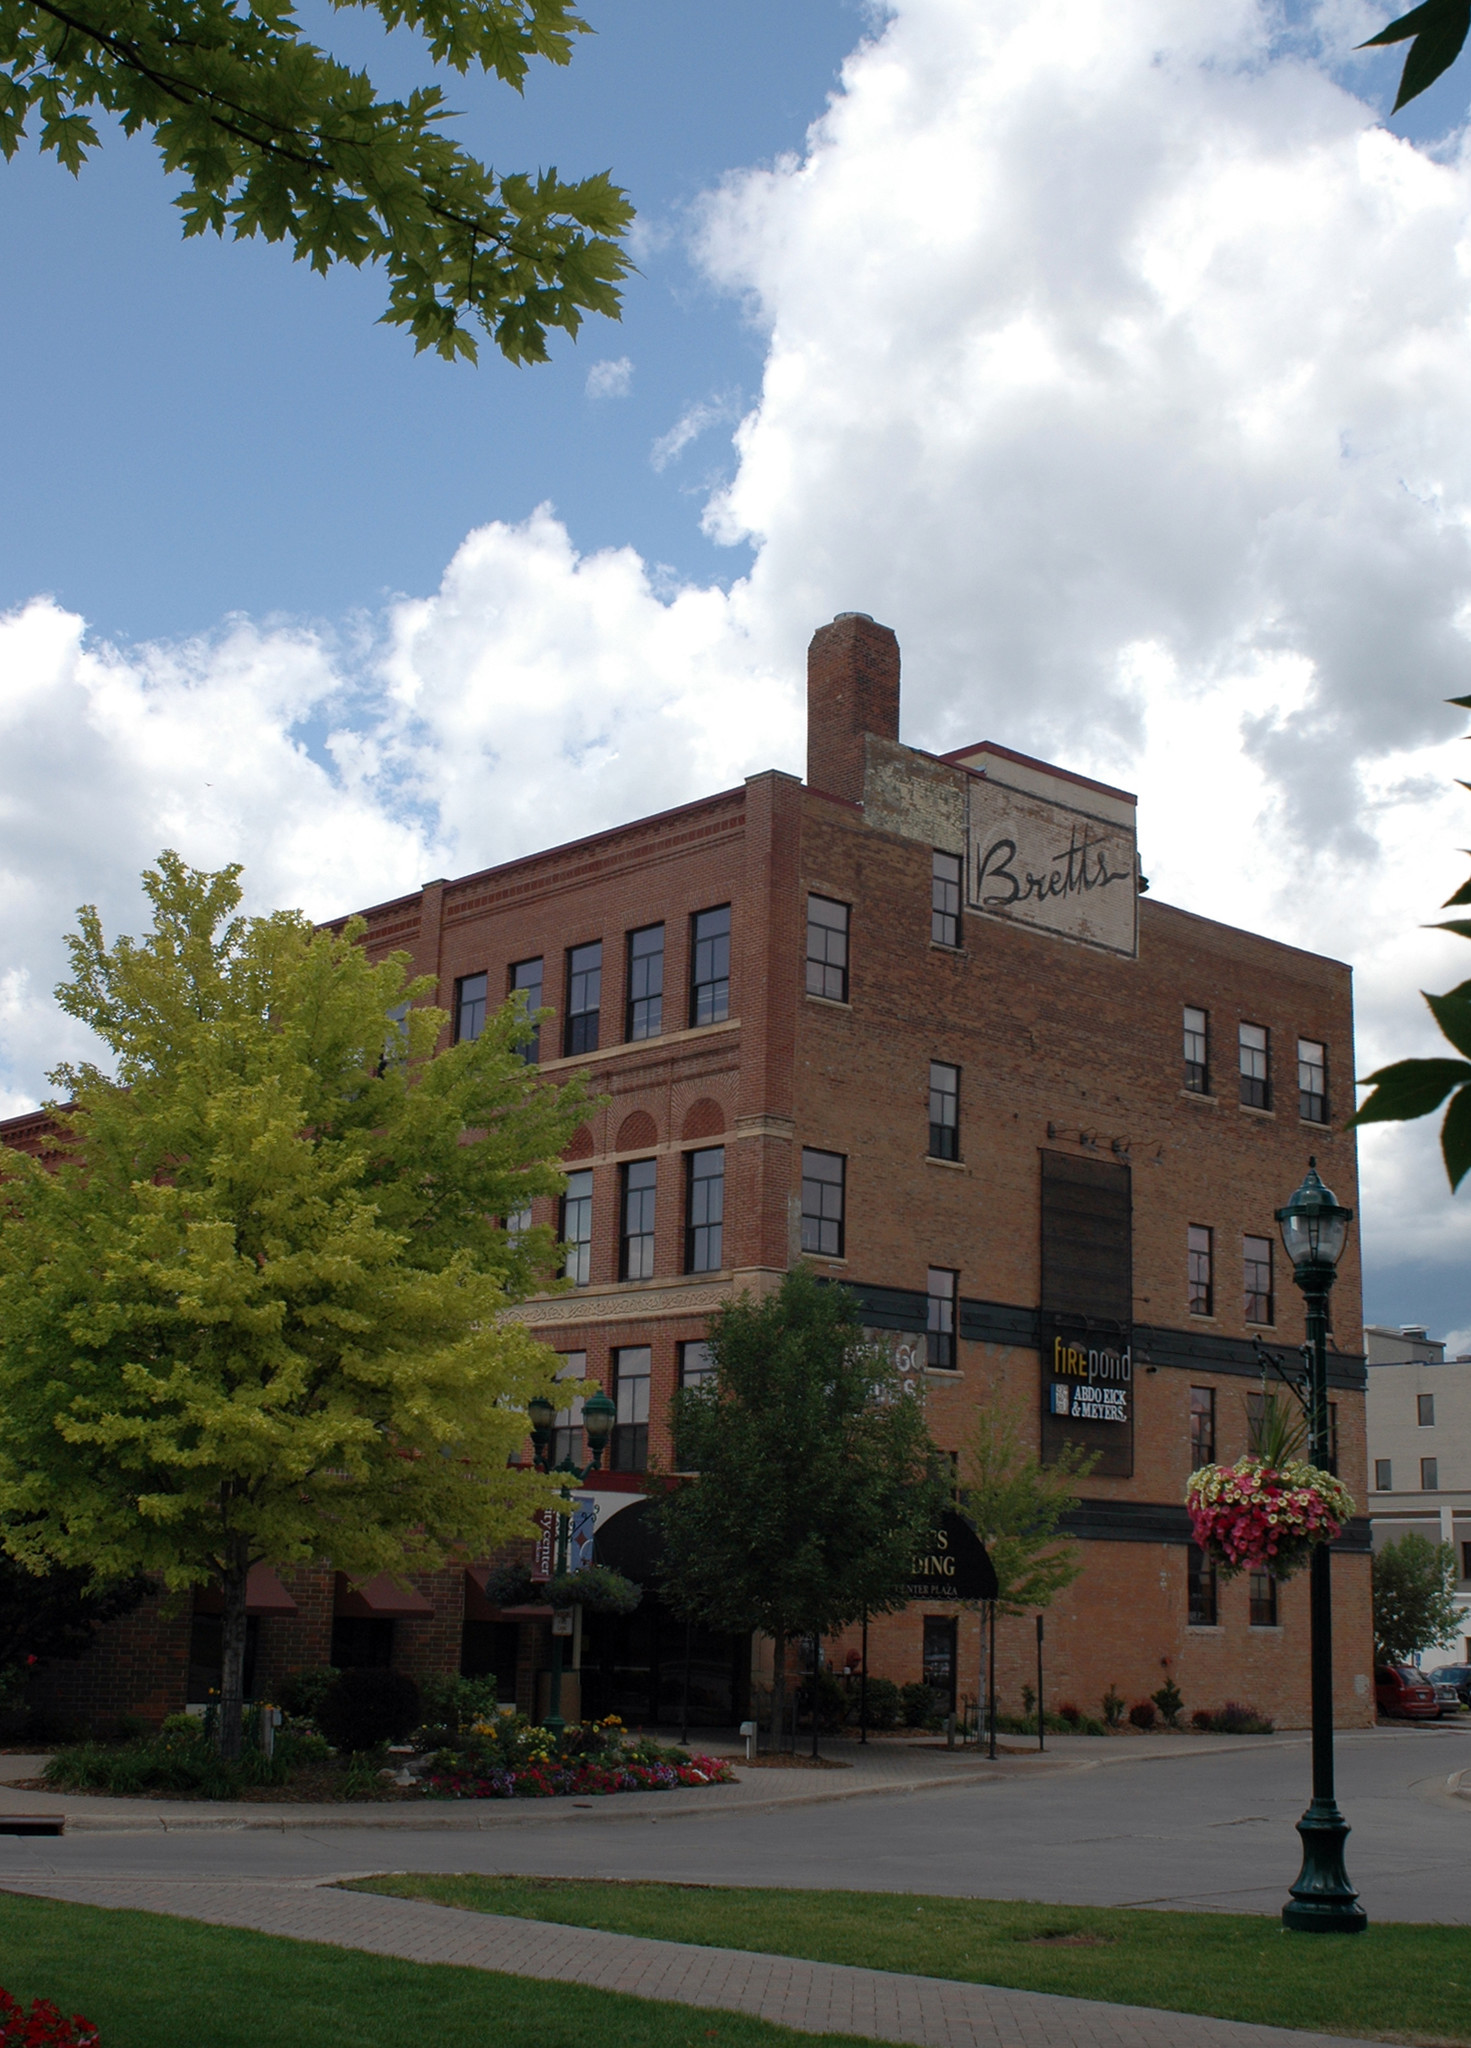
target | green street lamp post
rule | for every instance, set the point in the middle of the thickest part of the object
(598, 1416)
(1315, 1230)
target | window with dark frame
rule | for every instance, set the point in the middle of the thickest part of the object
(1200, 1589)
(1262, 1600)
(636, 1231)
(1333, 1438)
(1466, 1560)
(1312, 1081)
(1425, 1411)
(827, 949)
(704, 1210)
(1200, 1269)
(527, 980)
(823, 1178)
(1202, 1427)
(1253, 1051)
(567, 1423)
(1195, 1043)
(645, 1018)
(944, 1111)
(710, 966)
(584, 997)
(941, 1287)
(576, 1226)
(1383, 1476)
(945, 899)
(630, 1448)
(696, 1363)
(1430, 1475)
(1256, 1279)
(469, 1006)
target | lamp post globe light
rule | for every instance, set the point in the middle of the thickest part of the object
(1314, 1232)
(598, 1416)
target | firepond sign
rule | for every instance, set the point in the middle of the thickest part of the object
(1088, 1392)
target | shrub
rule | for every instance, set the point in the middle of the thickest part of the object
(884, 1703)
(922, 1705)
(1236, 1719)
(1142, 1714)
(1169, 1701)
(1113, 1707)
(1202, 1718)
(451, 1704)
(302, 1693)
(597, 1587)
(170, 1764)
(301, 1749)
(1070, 1713)
(363, 1709)
(833, 1701)
(44, 2026)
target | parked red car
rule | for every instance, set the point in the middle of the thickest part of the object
(1400, 1689)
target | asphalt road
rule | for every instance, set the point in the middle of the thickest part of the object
(1185, 1830)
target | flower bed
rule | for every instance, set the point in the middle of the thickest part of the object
(467, 1779)
(44, 2026)
(1254, 1516)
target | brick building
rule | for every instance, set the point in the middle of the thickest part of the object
(918, 1021)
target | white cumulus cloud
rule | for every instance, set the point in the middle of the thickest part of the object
(611, 378)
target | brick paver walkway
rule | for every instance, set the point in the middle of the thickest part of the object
(814, 1997)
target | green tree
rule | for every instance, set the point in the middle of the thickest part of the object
(1414, 1598)
(1435, 34)
(275, 138)
(1016, 1505)
(257, 1313)
(1414, 1088)
(817, 1477)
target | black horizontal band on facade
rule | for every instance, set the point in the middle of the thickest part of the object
(999, 1322)
(1147, 1521)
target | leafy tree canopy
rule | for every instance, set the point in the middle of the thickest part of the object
(273, 137)
(256, 1312)
(1435, 33)
(1016, 1504)
(817, 1476)
(1414, 1598)
(1414, 1088)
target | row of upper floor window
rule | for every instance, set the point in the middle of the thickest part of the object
(1255, 1079)
(643, 1008)
(1203, 1441)
(1258, 1275)
(1429, 1483)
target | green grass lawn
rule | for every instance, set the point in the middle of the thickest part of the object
(151, 1982)
(1403, 1980)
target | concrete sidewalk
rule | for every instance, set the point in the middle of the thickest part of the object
(874, 1769)
(812, 1997)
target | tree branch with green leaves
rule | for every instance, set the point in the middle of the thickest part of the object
(274, 137)
(1436, 34)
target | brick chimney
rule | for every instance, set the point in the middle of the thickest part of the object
(852, 688)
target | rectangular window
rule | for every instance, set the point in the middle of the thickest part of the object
(584, 997)
(526, 980)
(1202, 1427)
(518, 1222)
(577, 1226)
(1430, 1475)
(1256, 1083)
(696, 1365)
(710, 966)
(567, 1426)
(1333, 1437)
(945, 899)
(823, 1175)
(940, 1658)
(645, 983)
(1200, 1589)
(469, 1006)
(1312, 1081)
(944, 1111)
(704, 1210)
(631, 1400)
(636, 1233)
(940, 1318)
(827, 949)
(1466, 1560)
(1383, 1476)
(1197, 1068)
(1199, 1260)
(1256, 1276)
(1425, 1410)
(1263, 1600)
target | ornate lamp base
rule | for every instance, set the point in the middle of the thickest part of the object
(1323, 1901)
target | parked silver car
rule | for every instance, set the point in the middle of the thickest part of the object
(1457, 1676)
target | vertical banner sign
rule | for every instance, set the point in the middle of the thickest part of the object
(1085, 1324)
(584, 1527)
(544, 1552)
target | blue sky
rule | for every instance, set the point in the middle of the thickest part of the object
(1118, 359)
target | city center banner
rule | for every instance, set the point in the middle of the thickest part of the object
(953, 1564)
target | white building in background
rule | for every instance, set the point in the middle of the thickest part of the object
(1419, 1425)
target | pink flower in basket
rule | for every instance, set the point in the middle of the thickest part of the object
(1253, 1516)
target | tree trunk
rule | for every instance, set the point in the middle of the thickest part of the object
(232, 1673)
(779, 1689)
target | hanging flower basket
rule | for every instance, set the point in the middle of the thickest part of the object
(1253, 1516)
